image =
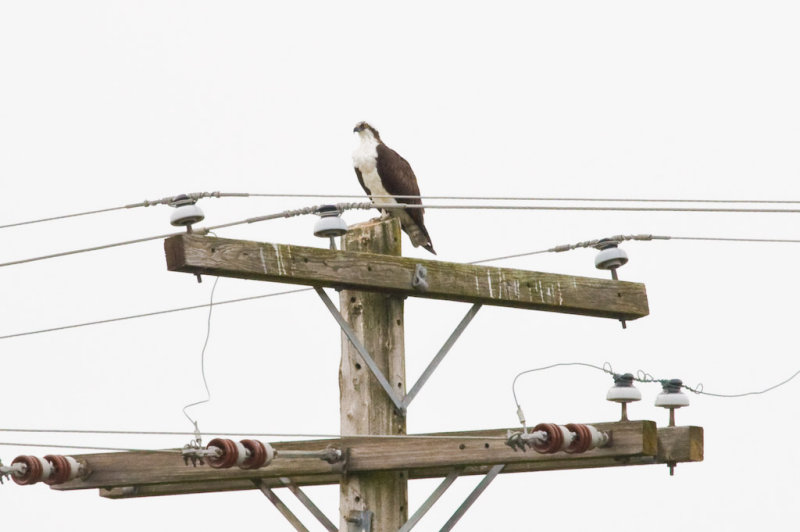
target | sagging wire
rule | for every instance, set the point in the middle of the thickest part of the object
(197, 434)
(640, 376)
(520, 414)
(154, 313)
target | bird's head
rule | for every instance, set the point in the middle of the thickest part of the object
(365, 130)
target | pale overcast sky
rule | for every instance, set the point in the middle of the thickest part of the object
(108, 103)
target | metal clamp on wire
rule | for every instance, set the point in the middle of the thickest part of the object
(17, 469)
(523, 440)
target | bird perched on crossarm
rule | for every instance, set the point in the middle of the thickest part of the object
(382, 171)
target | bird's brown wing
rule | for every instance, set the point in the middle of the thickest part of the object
(361, 181)
(399, 180)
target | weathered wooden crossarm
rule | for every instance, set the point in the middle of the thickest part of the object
(160, 473)
(469, 283)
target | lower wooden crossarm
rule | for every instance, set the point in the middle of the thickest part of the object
(122, 475)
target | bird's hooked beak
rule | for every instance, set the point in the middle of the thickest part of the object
(359, 128)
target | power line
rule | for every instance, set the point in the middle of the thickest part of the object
(526, 198)
(87, 447)
(155, 313)
(235, 435)
(200, 231)
(199, 195)
(146, 203)
(555, 249)
(644, 377)
(367, 205)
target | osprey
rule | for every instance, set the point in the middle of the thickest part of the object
(383, 172)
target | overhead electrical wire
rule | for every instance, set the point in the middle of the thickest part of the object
(644, 377)
(368, 205)
(155, 313)
(203, 360)
(217, 194)
(146, 203)
(640, 376)
(555, 249)
(86, 447)
(200, 195)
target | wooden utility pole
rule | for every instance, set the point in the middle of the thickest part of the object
(373, 473)
(377, 320)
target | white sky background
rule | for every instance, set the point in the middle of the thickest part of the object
(109, 103)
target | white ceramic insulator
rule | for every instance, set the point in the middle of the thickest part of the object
(270, 455)
(623, 394)
(568, 437)
(610, 258)
(74, 468)
(672, 400)
(47, 468)
(242, 453)
(599, 439)
(329, 226)
(186, 215)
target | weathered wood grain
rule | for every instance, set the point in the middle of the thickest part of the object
(670, 444)
(419, 456)
(487, 285)
(365, 408)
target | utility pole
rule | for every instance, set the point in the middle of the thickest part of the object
(373, 472)
(365, 408)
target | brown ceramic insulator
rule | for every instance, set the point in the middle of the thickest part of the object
(229, 453)
(558, 444)
(61, 469)
(582, 440)
(587, 439)
(258, 454)
(554, 438)
(32, 475)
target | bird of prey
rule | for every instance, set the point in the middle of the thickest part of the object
(383, 172)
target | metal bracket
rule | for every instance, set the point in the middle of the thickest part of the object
(359, 521)
(440, 355)
(282, 508)
(351, 335)
(400, 403)
(430, 501)
(302, 497)
(420, 279)
(484, 483)
(315, 511)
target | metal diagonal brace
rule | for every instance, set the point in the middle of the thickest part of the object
(484, 483)
(440, 355)
(282, 508)
(430, 501)
(303, 498)
(351, 335)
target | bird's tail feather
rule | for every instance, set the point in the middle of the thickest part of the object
(419, 237)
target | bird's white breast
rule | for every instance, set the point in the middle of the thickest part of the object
(365, 158)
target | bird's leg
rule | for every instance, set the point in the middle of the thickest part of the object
(385, 215)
